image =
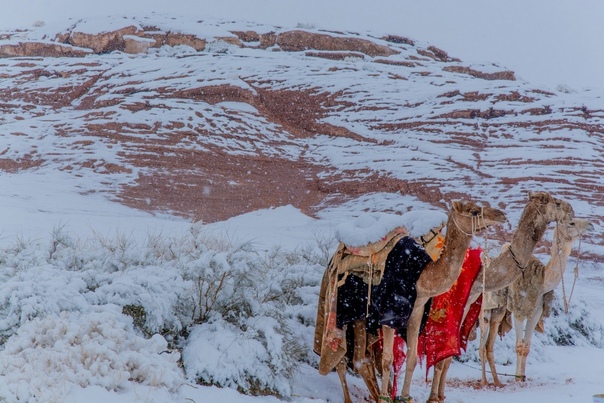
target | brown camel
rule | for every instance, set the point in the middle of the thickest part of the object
(465, 220)
(513, 261)
(529, 295)
(352, 347)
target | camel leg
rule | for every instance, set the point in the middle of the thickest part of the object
(387, 358)
(521, 354)
(437, 388)
(497, 315)
(362, 363)
(446, 363)
(413, 326)
(482, 349)
(531, 322)
(341, 370)
(519, 326)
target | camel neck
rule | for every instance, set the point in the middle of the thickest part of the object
(437, 277)
(509, 265)
(531, 228)
(555, 268)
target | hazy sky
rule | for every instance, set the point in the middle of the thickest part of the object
(547, 42)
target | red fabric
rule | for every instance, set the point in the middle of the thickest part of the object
(469, 322)
(399, 360)
(441, 336)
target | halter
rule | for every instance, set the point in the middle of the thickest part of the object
(476, 221)
(537, 207)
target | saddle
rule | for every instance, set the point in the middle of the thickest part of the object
(368, 262)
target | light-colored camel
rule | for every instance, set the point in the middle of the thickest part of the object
(464, 221)
(541, 209)
(528, 296)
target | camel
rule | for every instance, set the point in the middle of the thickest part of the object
(529, 296)
(464, 221)
(338, 348)
(512, 262)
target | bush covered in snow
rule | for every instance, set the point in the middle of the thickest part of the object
(107, 311)
(93, 348)
(577, 327)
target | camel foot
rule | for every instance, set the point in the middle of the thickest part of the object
(437, 399)
(520, 378)
(406, 399)
(495, 384)
(386, 399)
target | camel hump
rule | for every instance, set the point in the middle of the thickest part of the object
(369, 233)
(373, 248)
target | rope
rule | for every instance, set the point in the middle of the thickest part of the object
(372, 265)
(576, 276)
(490, 372)
(485, 261)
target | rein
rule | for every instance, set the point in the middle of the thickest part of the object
(576, 276)
(515, 259)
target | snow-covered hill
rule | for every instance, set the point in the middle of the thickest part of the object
(335, 115)
(194, 119)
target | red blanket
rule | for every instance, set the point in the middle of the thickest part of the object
(441, 337)
(470, 322)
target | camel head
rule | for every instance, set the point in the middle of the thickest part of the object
(550, 207)
(471, 218)
(574, 228)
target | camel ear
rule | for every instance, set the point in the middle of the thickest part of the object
(457, 206)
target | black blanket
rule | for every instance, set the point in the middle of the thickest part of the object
(393, 299)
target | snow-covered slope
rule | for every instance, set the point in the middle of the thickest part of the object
(335, 115)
